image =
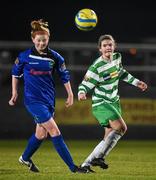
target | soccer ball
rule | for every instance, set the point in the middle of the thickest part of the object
(86, 19)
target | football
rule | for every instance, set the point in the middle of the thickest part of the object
(86, 19)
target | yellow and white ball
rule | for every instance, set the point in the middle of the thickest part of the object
(86, 19)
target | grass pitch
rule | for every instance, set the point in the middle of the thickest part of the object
(129, 160)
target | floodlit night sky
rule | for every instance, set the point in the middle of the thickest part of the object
(127, 21)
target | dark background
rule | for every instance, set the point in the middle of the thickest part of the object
(127, 21)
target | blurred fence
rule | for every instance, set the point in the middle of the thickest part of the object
(138, 59)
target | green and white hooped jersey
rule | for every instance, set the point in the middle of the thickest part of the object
(103, 76)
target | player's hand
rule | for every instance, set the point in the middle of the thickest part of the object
(82, 96)
(142, 85)
(69, 101)
(13, 99)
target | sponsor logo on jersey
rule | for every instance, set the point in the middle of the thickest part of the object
(34, 72)
(110, 76)
(114, 74)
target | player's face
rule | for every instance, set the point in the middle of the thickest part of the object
(41, 42)
(107, 48)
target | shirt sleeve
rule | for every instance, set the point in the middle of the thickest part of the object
(91, 79)
(127, 77)
(62, 70)
(17, 69)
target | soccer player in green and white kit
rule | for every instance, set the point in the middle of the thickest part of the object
(103, 77)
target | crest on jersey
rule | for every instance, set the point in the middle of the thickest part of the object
(16, 61)
(51, 64)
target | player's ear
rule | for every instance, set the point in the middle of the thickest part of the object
(32, 39)
(100, 49)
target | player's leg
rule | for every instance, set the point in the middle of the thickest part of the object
(39, 112)
(60, 145)
(112, 135)
(119, 128)
(34, 142)
(102, 114)
(95, 154)
(109, 116)
(43, 115)
(32, 146)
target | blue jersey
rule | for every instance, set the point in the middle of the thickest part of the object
(38, 72)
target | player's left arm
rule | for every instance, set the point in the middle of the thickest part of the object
(127, 77)
(61, 69)
(142, 85)
(69, 101)
(65, 77)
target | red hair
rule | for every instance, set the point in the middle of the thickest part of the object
(39, 27)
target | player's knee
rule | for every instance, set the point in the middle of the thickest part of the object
(55, 132)
(41, 136)
(125, 129)
(121, 129)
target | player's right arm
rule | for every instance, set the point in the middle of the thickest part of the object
(14, 96)
(17, 73)
(89, 82)
(82, 96)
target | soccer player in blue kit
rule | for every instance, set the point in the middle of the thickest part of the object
(37, 66)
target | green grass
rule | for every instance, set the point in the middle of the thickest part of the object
(129, 160)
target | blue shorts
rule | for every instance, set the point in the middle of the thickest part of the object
(41, 112)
